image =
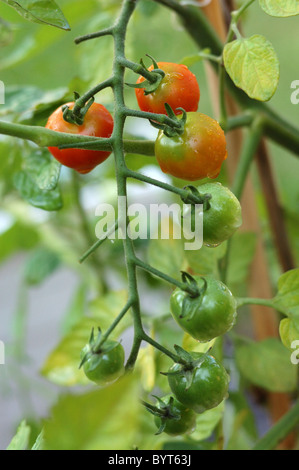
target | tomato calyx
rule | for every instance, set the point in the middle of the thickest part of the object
(178, 122)
(95, 346)
(188, 367)
(77, 114)
(193, 196)
(164, 411)
(153, 78)
(189, 307)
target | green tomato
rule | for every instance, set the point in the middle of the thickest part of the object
(207, 316)
(223, 217)
(107, 365)
(202, 388)
(178, 418)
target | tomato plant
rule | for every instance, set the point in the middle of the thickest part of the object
(209, 331)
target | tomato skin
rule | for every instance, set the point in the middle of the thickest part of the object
(196, 154)
(209, 386)
(98, 122)
(105, 367)
(223, 217)
(179, 88)
(208, 316)
(185, 425)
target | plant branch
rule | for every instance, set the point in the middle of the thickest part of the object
(280, 430)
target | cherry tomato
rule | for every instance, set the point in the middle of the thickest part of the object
(105, 366)
(208, 316)
(177, 419)
(98, 122)
(196, 154)
(223, 217)
(203, 387)
(179, 88)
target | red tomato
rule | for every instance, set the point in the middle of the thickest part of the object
(98, 122)
(179, 88)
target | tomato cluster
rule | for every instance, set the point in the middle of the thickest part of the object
(192, 146)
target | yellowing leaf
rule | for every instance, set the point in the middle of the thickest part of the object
(253, 66)
(280, 8)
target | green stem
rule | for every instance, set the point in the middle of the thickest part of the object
(161, 348)
(248, 152)
(97, 244)
(138, 69)
(253, 301)
(121, 176)
(280, 430)
(155, 272)
(116, 322)
(99, 34)
(161, 118)
(184, 194)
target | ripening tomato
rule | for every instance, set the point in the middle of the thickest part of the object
(98, 122)
(179, 88)
(197, 153)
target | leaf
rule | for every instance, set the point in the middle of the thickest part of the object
(205, 260)
(190, 344)
(206, 422)
(280, 8)
(39, 266)
(21, 440)
(18, 237)
(146, 364)
(167, 254)
(193, 59)
(105, 419)
(241, 255)
(46, 200)
(267, 364)
(62, 365)
(288, 333)
(253, 66)
(287, 298)
(37, 11)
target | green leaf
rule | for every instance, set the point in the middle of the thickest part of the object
(280, 8)
(76, 309)
(205, 260)
(288, 333)
(241, 255)
(104, 419)
(6, 34)
(18, 237)
(206, 422)
(46, 200)
(267, 364)
(62, 366)
(287, 298)
(193, 59)
(39, 443)
(21, 440)
(37, 11)
(40, 266)
(253, 66)
(167, 254)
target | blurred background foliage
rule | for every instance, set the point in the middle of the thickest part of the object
(41, 68)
